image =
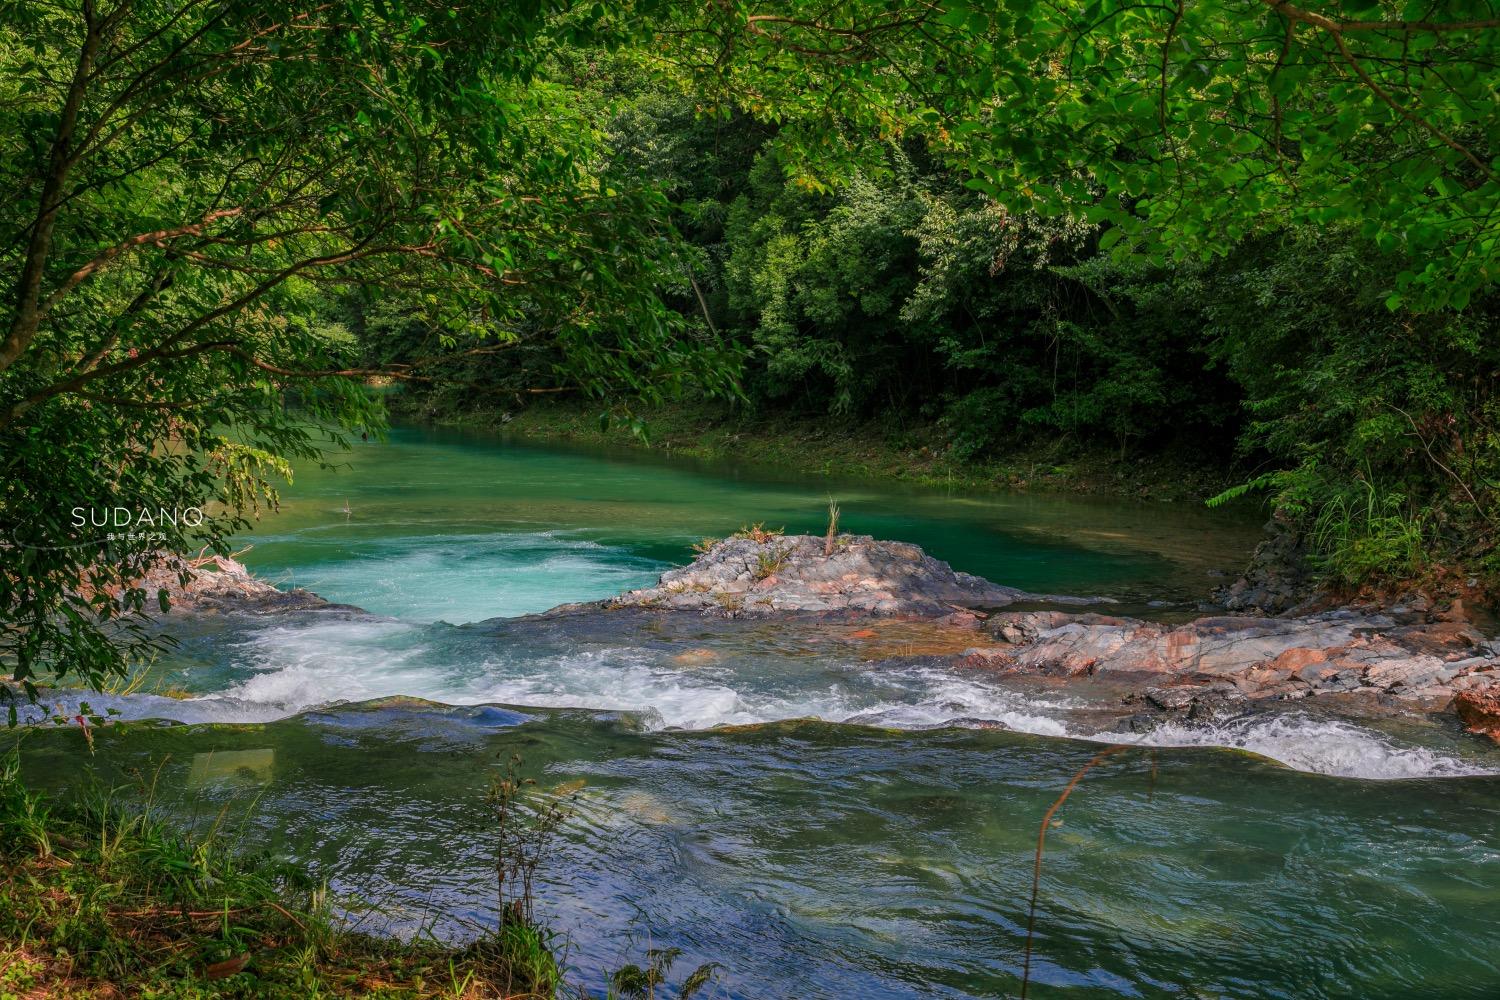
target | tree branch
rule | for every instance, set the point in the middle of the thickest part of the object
(25, 320)
(107, 256)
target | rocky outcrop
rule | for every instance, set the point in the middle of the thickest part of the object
(1478, 709)
(1232, 658)
(220, 584)
(1279, 578)
(1196, 670)
(767, 574)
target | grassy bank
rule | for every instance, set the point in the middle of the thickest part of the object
(916, 453)
(101, 901)
(98, 900)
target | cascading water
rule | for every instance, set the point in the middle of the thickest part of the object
(864, 836)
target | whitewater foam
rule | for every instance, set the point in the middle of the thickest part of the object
(470, 577)
(299, 664)
(1308, 743)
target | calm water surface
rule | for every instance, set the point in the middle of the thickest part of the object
(461, 527)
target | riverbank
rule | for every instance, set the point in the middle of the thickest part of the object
(826, 446)
(98, 901)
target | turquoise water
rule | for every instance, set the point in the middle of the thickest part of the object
(443, 525)
(784, 799)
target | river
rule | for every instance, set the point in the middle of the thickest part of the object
(786, 801)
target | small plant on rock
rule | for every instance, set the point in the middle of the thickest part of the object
(731, 603)
(770, 562)
(833, 527)
(759, 533)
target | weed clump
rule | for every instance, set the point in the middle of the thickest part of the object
(769, 563)
(758, 532)
(833, 527)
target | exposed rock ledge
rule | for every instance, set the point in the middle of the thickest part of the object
(790, 573)
(1193, 669)
(221, 584)
(1198, 667)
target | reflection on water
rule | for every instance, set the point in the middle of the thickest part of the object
(830, 861)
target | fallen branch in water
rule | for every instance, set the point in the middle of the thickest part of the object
(203, 558)
(1041, 844)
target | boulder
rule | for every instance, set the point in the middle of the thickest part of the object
(764, 574)
(1479, 710)
(220, 583)
(1335, 653)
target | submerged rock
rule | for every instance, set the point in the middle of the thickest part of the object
(790, 573)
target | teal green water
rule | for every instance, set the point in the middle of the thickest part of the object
(460, 527)
(878, 852)
(826, 861)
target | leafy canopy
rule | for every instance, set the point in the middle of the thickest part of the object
(1184, 125)
(191, 185)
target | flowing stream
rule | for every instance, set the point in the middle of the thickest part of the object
(816, 807)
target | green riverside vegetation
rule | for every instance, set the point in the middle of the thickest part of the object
(1253, 237)
(945, 332)
(100, 900)
(1259, 231)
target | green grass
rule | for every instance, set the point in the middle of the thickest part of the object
(1369, 536)
(99, 900)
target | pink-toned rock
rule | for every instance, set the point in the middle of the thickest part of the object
(1299, 657)
(1073, 649)
(988, 658)
(1479, 710)
(1336, 653)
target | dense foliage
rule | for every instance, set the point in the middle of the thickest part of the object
(906, 291)
(1263, 229)
(1253, 221)
(1375, 428)
(1185, 126)
(193, 188)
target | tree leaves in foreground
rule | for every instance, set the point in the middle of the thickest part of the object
(1186, 126)
(213, 203)
(190, 185)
